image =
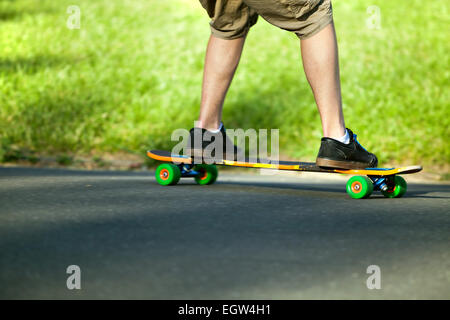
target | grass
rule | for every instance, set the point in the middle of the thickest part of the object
(132, 74)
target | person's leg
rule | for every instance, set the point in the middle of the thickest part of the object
(321, 65)
(230, 23)
(222, 59)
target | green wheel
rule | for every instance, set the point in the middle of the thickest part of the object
(397, 190)
(359, 187)
(207, 174)
(167, 174)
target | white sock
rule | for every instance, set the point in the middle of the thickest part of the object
(345, 138)
(217, 130)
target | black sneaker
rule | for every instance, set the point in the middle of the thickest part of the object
(205, 148)
(335, 154)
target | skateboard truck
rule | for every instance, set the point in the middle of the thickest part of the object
(187, 170)
(379, 183)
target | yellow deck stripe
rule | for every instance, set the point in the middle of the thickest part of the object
(381, 172)
(260, 165)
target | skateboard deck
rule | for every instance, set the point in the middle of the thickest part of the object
(166, 156)
(385, 180)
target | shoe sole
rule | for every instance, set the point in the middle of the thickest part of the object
(338, 164)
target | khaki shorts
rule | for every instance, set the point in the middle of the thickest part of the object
(232, 19)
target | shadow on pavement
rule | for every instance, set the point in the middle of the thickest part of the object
(135, 239)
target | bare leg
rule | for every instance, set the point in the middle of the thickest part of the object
(321, 64)
(222, 59)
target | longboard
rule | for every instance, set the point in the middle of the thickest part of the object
(366, 181)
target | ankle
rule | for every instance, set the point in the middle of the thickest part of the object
(216, 130)
(345, 138)
(336, 134)
(209, 125)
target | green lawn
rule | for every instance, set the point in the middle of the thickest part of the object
(132, 73)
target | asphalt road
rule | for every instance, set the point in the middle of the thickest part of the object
(246, 237)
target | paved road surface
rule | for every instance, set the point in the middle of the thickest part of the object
(247, 236)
